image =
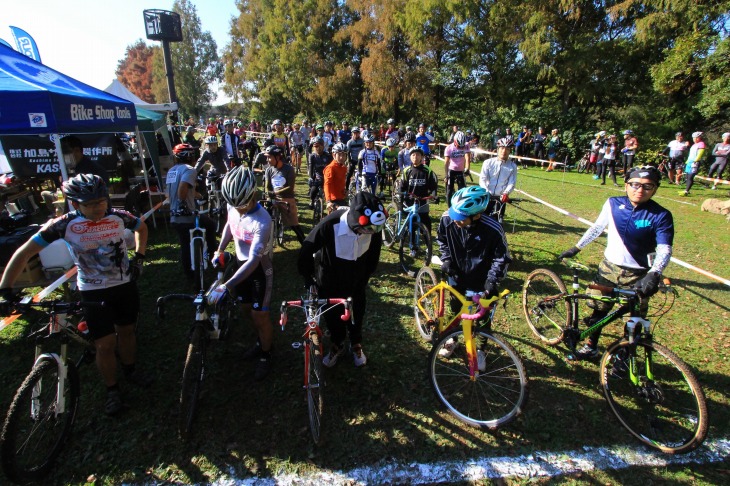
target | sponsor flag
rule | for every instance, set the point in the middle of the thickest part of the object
(25, 43)
(5, 43)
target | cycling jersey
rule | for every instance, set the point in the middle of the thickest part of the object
(478, 252)
(421, 181)
(296, 138)
(404, 158)
(677, 149)
(634, 233)
(316, 165)
(368, 161)
(328, 138)
(215, 159)
(354, 147)
(281, 140)
(697, 154)
(498, 177)
(179, 174)
(281, 180)
(97, 247)
(335, 177)
(457, 157)
(211, 130)
(344, 135)
(390, 158)
(422, 141)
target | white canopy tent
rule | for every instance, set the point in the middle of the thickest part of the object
(118, 89)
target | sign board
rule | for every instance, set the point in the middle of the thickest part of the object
(162, 25)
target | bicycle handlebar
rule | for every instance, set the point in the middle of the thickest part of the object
(314, 302)
(477, 298)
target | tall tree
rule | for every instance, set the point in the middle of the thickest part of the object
(135, 70)
(195, 62)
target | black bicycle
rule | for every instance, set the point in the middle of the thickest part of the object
(652, 392)
(42, 413)
(204, 328)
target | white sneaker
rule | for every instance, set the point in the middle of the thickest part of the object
(331, 359)
(448, 348)
(481, 360)
(358, 356)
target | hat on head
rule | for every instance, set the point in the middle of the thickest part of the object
(367, 213)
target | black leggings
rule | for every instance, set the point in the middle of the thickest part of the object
(690, 180)
(628, 162)
(609, 164)
(719, 166)
(457, 177)
(339, 328)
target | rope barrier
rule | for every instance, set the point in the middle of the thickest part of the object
(590, 223)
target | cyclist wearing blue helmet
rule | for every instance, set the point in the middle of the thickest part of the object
(473, 246)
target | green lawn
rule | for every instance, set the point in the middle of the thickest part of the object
(386, 410)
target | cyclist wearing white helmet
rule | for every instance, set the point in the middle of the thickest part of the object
(457, 160)
(335, 177)
(212, 155)
(392, 131)
(473, 247)
(249, 226)
(676, 150)
(697, 154)
(499, 175)
(631, 144)
(369, 163)
(329, 135)
(94, 233)
(638, 247)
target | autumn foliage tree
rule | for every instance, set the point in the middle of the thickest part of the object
(135, 70)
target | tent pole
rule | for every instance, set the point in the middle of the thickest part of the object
(141, 141)
(61, 163)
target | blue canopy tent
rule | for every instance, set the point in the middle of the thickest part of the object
(37, 100)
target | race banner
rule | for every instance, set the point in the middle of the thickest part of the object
(35, 156)
(25, 43)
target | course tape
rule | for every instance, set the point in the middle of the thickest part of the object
(714, 181)
(590, 223)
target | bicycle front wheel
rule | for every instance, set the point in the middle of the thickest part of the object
(35, 431)
(546, 309)
(415, 250)
(315, 383)
(192, 381)
(317, 214)
(279, 229)
(496, 393)
(198, 264)
(425, 323)
(390, 227)
(666, 409)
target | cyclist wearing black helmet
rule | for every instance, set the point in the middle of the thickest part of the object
(318, 160)
(638, 248)
(279, 181)
(180, 182)
(94, 233)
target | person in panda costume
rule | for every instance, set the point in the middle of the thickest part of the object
(338, 257)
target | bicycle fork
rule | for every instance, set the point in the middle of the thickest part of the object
(631, 326)
(60, 360)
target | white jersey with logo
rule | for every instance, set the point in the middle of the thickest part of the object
(97, 247)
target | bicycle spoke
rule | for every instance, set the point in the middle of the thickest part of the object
(545, 308)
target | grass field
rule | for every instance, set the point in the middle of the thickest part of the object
(386, 410)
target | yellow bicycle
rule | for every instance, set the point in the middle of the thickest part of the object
(477, 375)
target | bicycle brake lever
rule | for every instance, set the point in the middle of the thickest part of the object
(346, 315)
(283, 319)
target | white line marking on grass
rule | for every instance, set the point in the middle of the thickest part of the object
(537, 464)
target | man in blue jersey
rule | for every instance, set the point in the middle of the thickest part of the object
(422, 141)
(638, 249)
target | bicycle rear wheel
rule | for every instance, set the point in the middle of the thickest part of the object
(34, 432)
(218, 210)
(498, 391)
(390, 229)
(415, 250)
(315, 383)
(192, 381)
(425, 323)
(545, 307)
(667, 411)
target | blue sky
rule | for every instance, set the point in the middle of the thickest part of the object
(85, 39)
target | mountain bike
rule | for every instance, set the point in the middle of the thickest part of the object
(275, 207)
(314, 308)
(42, 413)
(204, 328)
(652, 392)
(584, 162)
(406, 228)
(217, 206)
(477, 375)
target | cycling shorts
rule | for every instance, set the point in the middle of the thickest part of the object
(675, 163)
(300, 148)
(121, 306)
(253, 290)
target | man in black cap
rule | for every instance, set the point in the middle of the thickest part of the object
(338, 256)
(638, 248)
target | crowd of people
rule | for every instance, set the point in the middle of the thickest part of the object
(340, 254)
